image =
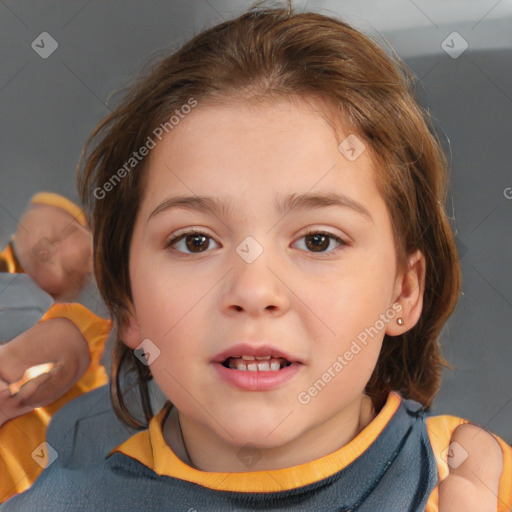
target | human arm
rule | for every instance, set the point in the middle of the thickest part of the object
(57, 340)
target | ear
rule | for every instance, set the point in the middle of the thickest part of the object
(130, 331)
(409, 288)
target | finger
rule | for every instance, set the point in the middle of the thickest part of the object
(30, 374)
(29, 389)
(46, 388)
(11, 407)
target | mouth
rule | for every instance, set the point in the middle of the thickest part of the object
(256, 368)
(252, 358)
(247, 363)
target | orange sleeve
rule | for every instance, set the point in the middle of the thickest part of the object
(95, 330)
(440, 430)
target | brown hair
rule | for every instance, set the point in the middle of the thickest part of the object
(274, 53)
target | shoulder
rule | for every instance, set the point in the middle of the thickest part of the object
(79, 476)
(86, 429)
(483, 455)
(475, 461)
(474, 466)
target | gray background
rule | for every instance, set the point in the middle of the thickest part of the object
(49, 106)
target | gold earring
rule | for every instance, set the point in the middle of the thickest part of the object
(400, 321)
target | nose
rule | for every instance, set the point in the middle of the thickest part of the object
(255, 288)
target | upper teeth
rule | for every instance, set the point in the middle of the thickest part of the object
(261, 363)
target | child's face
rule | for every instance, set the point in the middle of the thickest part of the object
(306, 297)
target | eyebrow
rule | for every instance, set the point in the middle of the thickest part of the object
(283, 206)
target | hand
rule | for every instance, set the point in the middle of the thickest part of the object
(57, 341)
(17, 404)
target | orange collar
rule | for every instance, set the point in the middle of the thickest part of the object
(149, 448)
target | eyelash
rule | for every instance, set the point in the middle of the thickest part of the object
(341, 243)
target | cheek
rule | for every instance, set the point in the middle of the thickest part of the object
(354, 310)
(175, 311)
(167, 303)
(354, 299)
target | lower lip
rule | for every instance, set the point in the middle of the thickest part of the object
(257, 381)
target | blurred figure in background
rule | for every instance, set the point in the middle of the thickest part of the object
(49, 359)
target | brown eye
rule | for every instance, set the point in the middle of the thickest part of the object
(191, 242)
(197, 243)
(320, 242)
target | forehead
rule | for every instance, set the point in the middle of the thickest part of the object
(260, 151)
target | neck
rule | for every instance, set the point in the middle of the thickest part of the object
(202, 449)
